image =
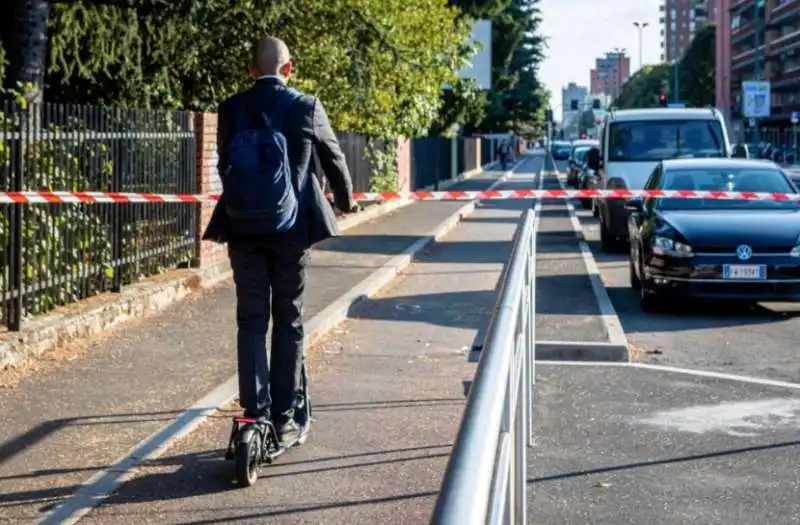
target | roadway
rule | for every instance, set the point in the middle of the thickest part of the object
(672, 438)
(756, 340)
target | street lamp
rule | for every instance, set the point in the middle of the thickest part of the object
(640, 26)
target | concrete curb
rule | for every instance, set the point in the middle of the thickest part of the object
(99, 314)
(98, 487)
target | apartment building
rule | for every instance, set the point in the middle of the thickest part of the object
(680, 20)
(764, 43)
(570, 92)
(610, 74)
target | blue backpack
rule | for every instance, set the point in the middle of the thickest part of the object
(257, 181)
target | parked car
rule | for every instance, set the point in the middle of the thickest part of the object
(560, 149)
(745, 250)
(634, 141)
(577, 158)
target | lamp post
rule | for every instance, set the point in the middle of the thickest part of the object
(757, 23)
(640, 26)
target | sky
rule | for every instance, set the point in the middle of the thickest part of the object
(578, 31)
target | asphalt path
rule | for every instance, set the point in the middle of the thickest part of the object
(759, 341)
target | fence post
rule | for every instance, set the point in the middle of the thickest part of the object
(17, 260)
(120, 166)
(454, 158)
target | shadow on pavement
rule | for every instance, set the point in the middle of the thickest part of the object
(48, 429)
(452, 309)
(667, 461)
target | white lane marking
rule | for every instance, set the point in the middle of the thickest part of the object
(745, 419)
(706, 374)
(607, 312)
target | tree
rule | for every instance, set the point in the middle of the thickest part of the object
(23, 33)
(378, 64)
(517, 100)
(696, 71)
(587, 119)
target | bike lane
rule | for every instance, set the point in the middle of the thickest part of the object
(387, 391)
(73, 419)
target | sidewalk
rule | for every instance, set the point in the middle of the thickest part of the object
(73, 419)
(388, 398)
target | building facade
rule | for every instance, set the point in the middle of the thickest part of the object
(680, 20)
(610, 74)
(764, 45)
(570, 92)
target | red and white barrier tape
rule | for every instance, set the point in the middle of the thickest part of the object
(94, 197)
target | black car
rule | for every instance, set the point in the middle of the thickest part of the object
(747, 250)
(561, 150)
(577, 159)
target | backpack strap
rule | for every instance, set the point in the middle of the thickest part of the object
(287, 98)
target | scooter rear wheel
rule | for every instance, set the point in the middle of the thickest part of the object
(248, 460)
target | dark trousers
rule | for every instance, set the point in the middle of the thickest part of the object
(269, 275)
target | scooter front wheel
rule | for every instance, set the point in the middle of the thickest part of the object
(248, 460)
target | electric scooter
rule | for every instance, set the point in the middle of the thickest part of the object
(253, 444)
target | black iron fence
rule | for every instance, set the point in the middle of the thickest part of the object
(54, 254)
(488, 151)
(468, 159)
(431, 162)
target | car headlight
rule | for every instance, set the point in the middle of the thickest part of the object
(667, 246)
(795, 251)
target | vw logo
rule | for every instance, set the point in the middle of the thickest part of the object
(744, 252)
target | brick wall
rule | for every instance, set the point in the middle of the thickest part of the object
(403, 165)
(205, 128)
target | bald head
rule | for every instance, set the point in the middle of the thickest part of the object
(271, 57)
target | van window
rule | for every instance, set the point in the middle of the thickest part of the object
(658, 140)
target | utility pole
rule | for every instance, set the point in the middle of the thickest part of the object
(676, 97)
(640, 26)
(758, 30)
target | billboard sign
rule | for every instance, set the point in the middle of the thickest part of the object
(756, 99)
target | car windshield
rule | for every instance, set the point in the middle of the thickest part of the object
(667, 139)
(755, 180)
(580, 154)
(563, 147)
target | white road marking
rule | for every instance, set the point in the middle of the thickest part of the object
(744, 419)
(609, 315)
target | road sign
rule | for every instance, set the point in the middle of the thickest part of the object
(795, 117)
(756, 99)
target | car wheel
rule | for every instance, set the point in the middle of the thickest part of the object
(636, 284)
(607, 241)
(650, 302)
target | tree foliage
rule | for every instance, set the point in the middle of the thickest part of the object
(379, 65)
(696, 74)
(518, 100)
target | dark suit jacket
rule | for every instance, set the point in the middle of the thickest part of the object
(307, 129)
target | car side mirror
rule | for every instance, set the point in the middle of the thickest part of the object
(740, 151)
(593, 159)
(634, 205)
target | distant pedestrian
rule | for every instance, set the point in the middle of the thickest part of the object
(271, 211)
(504, 153)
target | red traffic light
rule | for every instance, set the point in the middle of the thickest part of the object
(662, 100)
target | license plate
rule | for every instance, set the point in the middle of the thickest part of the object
(744, 271)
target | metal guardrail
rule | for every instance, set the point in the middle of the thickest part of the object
(486, 477)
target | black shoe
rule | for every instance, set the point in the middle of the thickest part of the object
(290, 433)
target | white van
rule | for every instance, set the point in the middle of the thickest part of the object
(632, 143)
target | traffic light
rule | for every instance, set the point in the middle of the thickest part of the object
(573, 105)
(596, 103)
(662, 101)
